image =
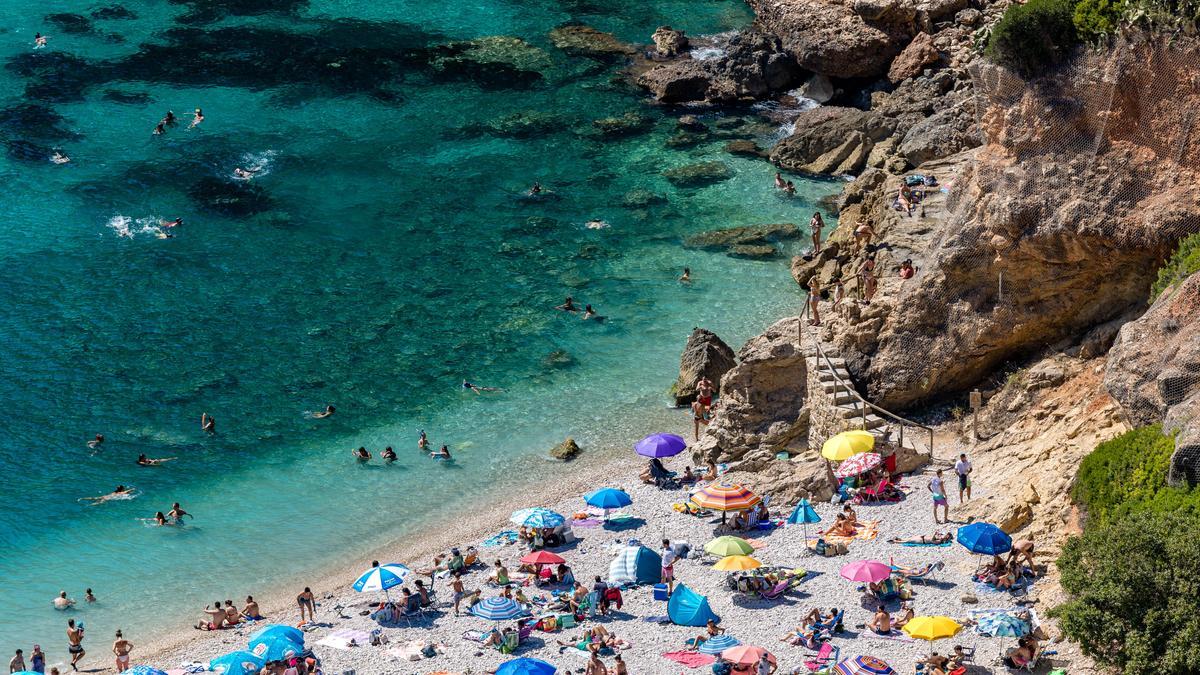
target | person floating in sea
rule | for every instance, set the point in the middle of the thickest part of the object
(389, 455)
(596, 224)
(39, 40)
(159, 129)
(177, 513)
(780, 183)
(119, 493)
(816, 224)
(589, 313)
(568, 305)
(477, 389)
(208, 424)
(444, 453)
(96, 442)
(159, 519)
(686, 277)
(143, 460)
(422, 441)
(62, 601)
(197, 118)
(361, 454)
(244, 174)
(170, 119)
(329, 410)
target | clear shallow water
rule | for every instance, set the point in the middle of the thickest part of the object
(382, 255)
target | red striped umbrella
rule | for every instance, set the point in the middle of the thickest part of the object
(725, 497)
(858, 464)
(542, 558)
(864, 665)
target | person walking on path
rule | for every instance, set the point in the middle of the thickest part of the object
(668, 565)
(963, 468)
(937, 486)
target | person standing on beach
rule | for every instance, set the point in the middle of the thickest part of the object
(937, 486)
(306, 600)
(17, 663)
(456, 583)
(668, 565)
(37, 660)
(963, 468)
(74, 643)
(121, 648)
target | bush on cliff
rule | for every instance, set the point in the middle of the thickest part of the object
(1129, 474)
(1134, 593)
(1097, 19)
(1183, 263)
(1035, 35)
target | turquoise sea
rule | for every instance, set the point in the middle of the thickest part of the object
(382, 254)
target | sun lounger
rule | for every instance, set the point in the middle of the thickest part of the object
(824, 660)
(778, 591)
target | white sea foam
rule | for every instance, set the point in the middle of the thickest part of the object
(257, 163)
(124, 226)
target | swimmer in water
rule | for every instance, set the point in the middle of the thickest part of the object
(118, 493)
(686, 277)
(444, 453)
(568, 305)
(39, 40)
(780, 184)
(790, 188)
(96, 442)
(244, 174)
(422, 441)
(197, 118)
(143, 460)
(596, 224)
(536, 189)
(159, 129)
(177, 513)
(208, 424)
(59, 158)
(477, 389)
(588, 312)
(389, 455)
(329, 410)
(171, 223)
(160, 519)
(361, 454)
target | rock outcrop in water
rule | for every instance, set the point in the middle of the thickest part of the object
(566, 451)
(749, 66)
(704, 355)
(742, 240)
(581, 40)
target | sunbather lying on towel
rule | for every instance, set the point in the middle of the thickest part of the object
(937, 538)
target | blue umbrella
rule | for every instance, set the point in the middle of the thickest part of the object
(607, 498)
(1002, 625)
(382, 578)
(538, 517)
(143, 670)
(660, 445)
(804, 515)
(984, 538)
(497, 609)
(276, 648)
(236, 663)
(718, 644)
(525, 666)
(290, 632)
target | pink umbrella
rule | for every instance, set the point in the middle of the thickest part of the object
(746, 655)
(866, 571)
(858, 464)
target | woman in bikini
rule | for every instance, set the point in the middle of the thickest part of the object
(306, 600)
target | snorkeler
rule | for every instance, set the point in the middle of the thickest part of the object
(143, 460)
(329, 410)
(169, 119)
(568, 305)
(159, 129)
(96, 442)
(422, 441)
(444, 453)
(118, 493)
(208, 424)
(361, 454)
(477, 389)
(389, 455)
(197, 118)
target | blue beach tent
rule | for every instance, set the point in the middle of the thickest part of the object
(635, 564)
(525, 666)
(688, 608)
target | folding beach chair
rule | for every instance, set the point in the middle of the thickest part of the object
(778, 591)
(921, 574)
(826, 657)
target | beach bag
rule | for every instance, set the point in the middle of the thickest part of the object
(566, 621)
(820, 547)
(550, 624)
(429, 652)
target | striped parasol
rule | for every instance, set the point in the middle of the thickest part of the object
(497, 609)
(725, 497)
(538, 517)
(382, 578)
(858, 464)
(863, 665)
(718, 644)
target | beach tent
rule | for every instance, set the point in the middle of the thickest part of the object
(635, 565)
(688, 608)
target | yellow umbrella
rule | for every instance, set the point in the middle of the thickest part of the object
(735, 563)
(932, 628)
(727, 545)
(847, 444)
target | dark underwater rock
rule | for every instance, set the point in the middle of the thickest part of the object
(228, 198)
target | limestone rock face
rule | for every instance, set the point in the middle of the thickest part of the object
(919, 53)
(566, 451)
(581, 40)
(704, 355)
(752, 65)
(762, 399)
(786, 481)
(668, 41)
(940, 135)
(1154, 371)
(832, 139)
(855, 38)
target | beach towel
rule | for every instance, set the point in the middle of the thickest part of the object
(867, 529)
(501, 539)
(341, 639)
(896, 635)
(657, 619)
(944, 544)
(586, 522)
(690, 659)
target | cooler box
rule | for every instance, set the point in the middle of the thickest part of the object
(660, 592)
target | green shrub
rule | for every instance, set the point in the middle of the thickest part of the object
(1129, 474)
(1184, 262)
(1168, 15)
(1135, 589)
(1095, 19)
(1033, 36)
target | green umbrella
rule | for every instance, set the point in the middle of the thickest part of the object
(727, 546)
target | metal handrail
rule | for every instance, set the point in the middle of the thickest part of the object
(842, 384)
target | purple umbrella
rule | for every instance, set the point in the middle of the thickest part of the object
(660, 445)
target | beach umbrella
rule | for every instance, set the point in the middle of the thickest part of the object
(858, 464)
(497, 609)
(866, 571)
(236, 663)
(746, 656)
(277, 647)
(139, 670)
(525, 666)
(863, 665)
(1002, 625)
(718, 644)
(538, 517)
(382, 578)
(542, 558)
(932, 628)
(984, 538)
(660, 445)
(804, 515)
(291, 632)
(725, 497)
(847, 444)
(736, 563)
(607, 498)
(727, 545)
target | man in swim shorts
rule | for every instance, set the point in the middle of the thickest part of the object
(937, 486)
(121, 648)
(74, 643)
(963, 468)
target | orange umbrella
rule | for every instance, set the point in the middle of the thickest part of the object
(725, 497)
(746, 656)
